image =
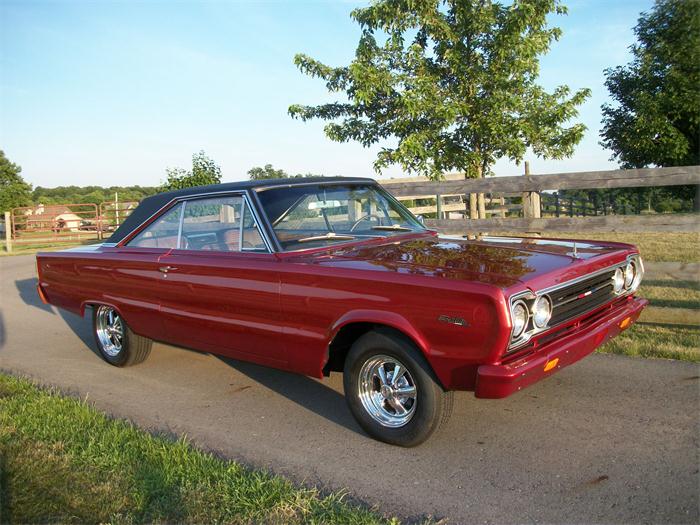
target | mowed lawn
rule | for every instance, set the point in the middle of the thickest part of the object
(669, 341)
(61, 461)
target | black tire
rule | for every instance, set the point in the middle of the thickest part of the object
(134, 349)
(431, 407)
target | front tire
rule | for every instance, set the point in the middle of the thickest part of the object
(391, 390)
(118, 345)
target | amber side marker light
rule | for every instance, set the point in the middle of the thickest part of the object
(625, 322)
(551, 364)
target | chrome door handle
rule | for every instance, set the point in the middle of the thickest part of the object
(166, 269)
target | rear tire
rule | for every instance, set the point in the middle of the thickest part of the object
(403, 410)
(118, 345)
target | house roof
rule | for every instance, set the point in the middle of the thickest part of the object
(151, 205)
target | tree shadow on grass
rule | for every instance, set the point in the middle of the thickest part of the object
(302, 390)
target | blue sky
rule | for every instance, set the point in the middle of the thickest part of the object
(114, 92)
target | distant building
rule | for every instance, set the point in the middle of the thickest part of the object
(52, 217)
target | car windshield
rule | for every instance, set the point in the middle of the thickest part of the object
(307, 216)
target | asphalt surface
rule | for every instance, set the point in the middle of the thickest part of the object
(610, 439)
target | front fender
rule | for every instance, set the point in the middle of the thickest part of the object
(382, 317)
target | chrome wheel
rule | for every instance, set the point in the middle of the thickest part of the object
(110, 330)
(387, 391)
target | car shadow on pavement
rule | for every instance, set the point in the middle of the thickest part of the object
(29, 295)
(79, 326)
(302, 390)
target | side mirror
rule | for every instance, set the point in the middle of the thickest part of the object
(420, 219)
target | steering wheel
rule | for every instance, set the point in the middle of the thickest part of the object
(367, 217)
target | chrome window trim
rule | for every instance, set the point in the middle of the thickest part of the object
(533, 295)
(182, 218)
(182, 200)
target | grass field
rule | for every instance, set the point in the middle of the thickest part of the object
(658, 341)
(64, 462)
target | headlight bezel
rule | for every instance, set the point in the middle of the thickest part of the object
(618, 281)
(516, 334)
(629, 273)
(541, 299)
(529, 299)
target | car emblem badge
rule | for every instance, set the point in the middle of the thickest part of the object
(453, 320)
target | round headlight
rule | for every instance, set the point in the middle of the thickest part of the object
(520, 316)
(638, 274)
(618, 280)
(629, 274)
(542, 311)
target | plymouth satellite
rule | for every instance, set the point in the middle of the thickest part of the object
(319, 275)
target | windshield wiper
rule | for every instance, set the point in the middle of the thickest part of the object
(393, 227)
(330, 236)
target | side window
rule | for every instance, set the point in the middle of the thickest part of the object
(161, 233)
(213, 224)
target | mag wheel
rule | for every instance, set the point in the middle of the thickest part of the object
(392, 392)
(118, 345)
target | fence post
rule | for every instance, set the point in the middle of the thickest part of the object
(438, 201)
(532, 205)
(473, 210)
(8, 231)
(482, 205)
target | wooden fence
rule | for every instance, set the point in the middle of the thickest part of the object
(460, 205)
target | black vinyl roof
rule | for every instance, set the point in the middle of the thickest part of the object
(150, 205)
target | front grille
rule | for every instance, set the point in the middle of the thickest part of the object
(581, 297)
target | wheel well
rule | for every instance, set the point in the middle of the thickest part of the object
(346, 336)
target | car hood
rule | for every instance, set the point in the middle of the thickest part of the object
(500, 261)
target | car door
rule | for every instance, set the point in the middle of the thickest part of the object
(220, 290)
(129, 274)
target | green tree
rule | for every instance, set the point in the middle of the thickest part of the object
(452, 83)
(204, 171)
(267, 172)
(656, 116)
(655, 119)
(14, 191)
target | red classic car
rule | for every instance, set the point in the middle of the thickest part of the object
(333, 274)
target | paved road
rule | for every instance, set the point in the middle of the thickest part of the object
(610, 439)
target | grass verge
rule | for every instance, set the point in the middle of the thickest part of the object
(63, 461)
(658, 341)
(27, 249)
(670, 293)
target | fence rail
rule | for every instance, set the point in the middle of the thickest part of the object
(530, 198)
(584, 180)
(63, 223)
(513, 204)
